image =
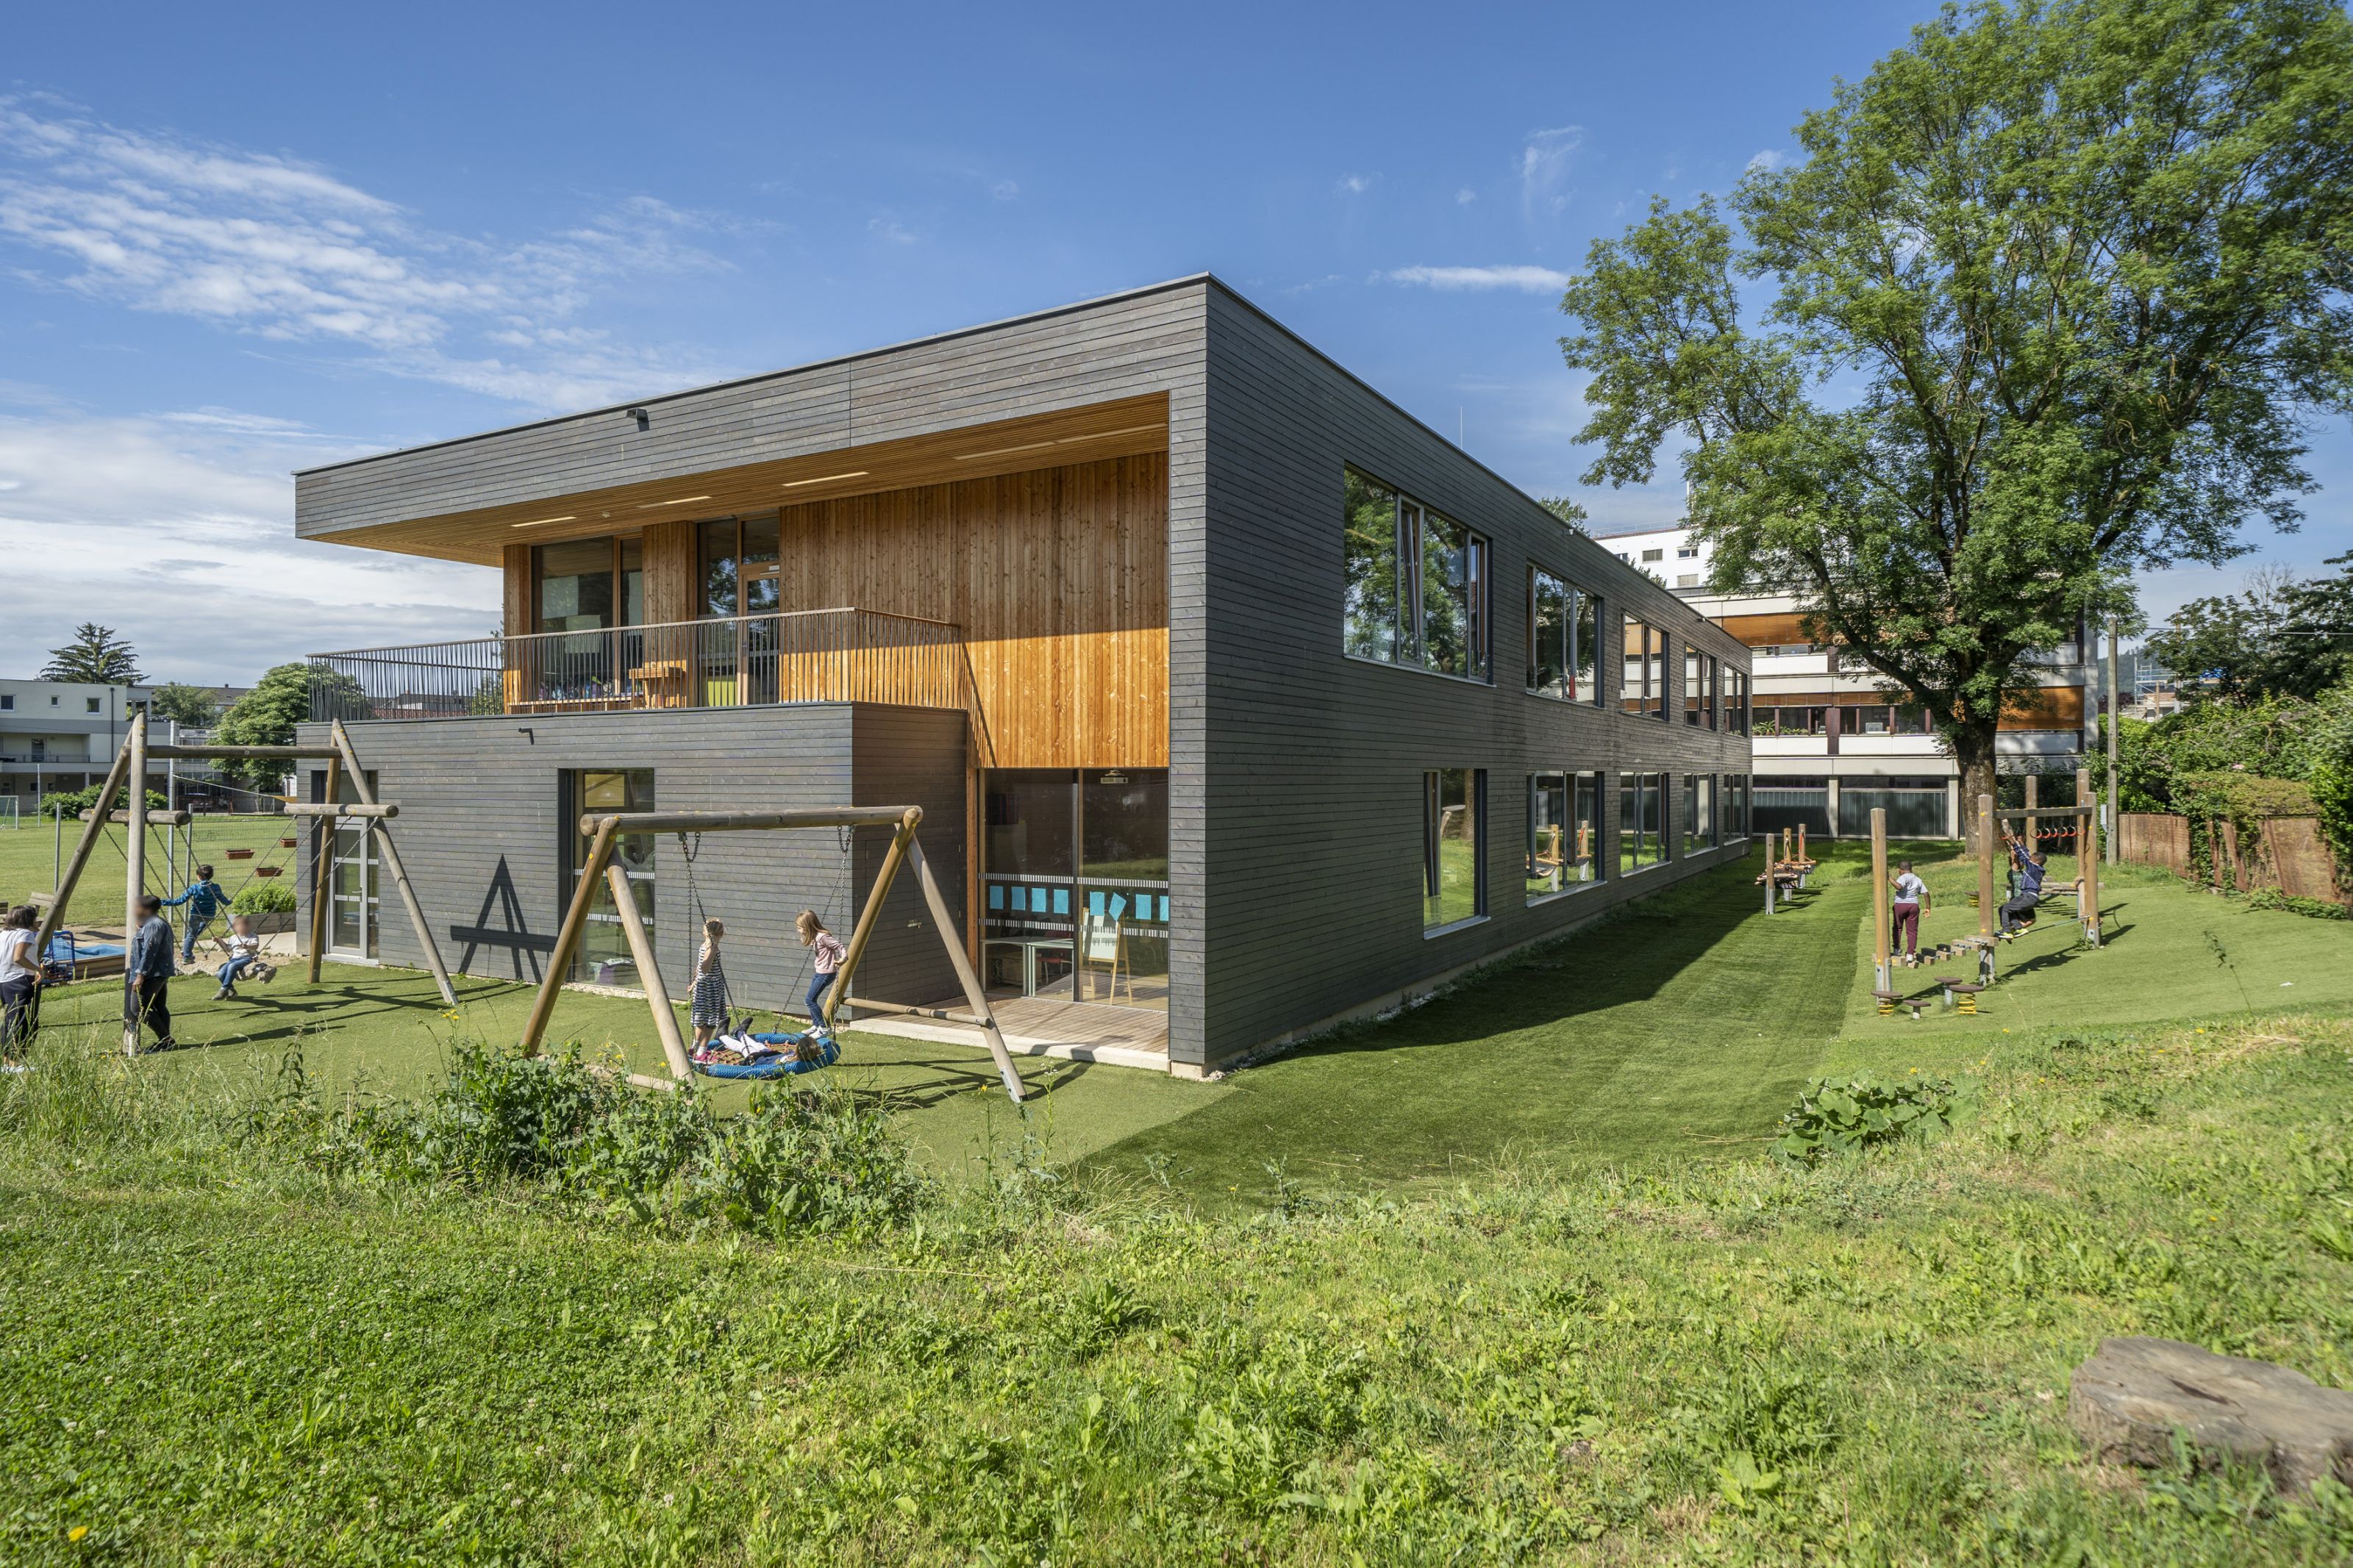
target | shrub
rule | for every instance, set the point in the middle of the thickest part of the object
(71, 803)
(2318, 909)
(821, 1160)
(261, 897)
(1845, 1118)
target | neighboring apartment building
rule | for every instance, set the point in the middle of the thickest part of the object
(1238, 701)
(1829, 744)
(59, 735)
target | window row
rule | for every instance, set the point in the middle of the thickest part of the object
(1565, 625)
(1567, 814)
(1417, 583)
(1850, 719)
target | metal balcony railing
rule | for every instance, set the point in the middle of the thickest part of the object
(800, 656)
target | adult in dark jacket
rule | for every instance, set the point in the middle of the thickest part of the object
(146, 999)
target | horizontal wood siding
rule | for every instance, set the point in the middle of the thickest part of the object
(1310, 825)
(478, 825)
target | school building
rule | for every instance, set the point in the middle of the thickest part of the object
(1830, 745)
(1238, 702)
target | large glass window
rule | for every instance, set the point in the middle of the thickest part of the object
(1561, 619)
(1451, 842)
(1562, 832)
(1416, 588)
(575, 586)
(1812, 721)
(1075, 884)
(603, 955)
(1736, 805)
(1699, 812)
(1641, 835)
(1701, 673)
(1643, 688)
(1735, 701)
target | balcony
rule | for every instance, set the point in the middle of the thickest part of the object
(802, 656)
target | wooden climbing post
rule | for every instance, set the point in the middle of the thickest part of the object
(134, 880)
(361, 787)
(2088, 858)
(641, 948)
(1881, 936)
(323, 874)
(1985, 834)
(568, 937)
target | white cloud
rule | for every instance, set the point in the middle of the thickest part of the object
(1532, 279)
(1770, 159)
(264, 245)
(1545, 160)
(1004, 190)
(891, 231)
(1358, 184)
(1465, 196)
(177, 531)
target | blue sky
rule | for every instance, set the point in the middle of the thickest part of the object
(237, 241)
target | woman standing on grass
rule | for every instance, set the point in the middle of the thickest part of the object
(825, 957)
(707, 1006)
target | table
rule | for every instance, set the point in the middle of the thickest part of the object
(1032, 953)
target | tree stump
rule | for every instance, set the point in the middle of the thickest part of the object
(2134, 1394)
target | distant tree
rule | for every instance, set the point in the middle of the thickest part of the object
(2279, 637)
(1569, 511)
(190, 707)
(2057, 288)
(265, 716)
(96, 656)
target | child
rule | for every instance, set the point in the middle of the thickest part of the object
(147, 968)
(205, 900)
(2026, 884)
(1911, 898)
(707, 1002)
(244, 951)
(826, 954)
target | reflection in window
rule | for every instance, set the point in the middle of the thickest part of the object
(1736, 805)
(1451, 841)
(1644, 686)
(603, 955)
(1699, 812)
(1075, 891)
(1641, 803)
(1735, 701)
(1700, 678)
(1416, 582)
(1026, 811)
(575, 586)
(1125, 813)
(1561, 619)
(1562, 832)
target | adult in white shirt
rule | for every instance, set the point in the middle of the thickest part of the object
(1911, 901)
(20, 982)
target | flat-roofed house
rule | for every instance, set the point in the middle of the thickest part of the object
(1238, 701)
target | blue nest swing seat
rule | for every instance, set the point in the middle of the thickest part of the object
(792, 1058)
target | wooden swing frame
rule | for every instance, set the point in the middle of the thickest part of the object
(131, 762)
(603, 830)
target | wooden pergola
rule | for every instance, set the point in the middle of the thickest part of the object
(604, 830)
(131, 764)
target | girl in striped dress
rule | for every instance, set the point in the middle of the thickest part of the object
(708, 1003)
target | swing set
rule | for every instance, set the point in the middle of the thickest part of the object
(131, 763)
(815, 1047)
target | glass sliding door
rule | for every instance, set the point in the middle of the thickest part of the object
(353, 879)
(1074, 876)
(604, 956)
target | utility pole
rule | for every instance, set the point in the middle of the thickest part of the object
(2116, 715)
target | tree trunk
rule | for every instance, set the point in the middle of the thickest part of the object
(1973, 749)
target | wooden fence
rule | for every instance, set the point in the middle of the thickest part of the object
(2288, 854)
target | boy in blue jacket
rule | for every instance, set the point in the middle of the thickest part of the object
(205, 900)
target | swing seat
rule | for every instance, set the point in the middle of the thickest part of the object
(789, 1063)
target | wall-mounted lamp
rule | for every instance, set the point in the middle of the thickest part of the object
(644, 419)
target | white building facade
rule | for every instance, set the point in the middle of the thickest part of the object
(1829, 744)
(59, 735)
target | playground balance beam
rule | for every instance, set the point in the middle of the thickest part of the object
(324, 808)
(152, 820)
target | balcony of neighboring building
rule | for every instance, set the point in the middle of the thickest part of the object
(844, 655)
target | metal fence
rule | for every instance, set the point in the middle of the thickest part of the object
(802, 656)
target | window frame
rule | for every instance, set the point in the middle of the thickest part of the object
(1409, 634)
(1570, 779)
(1579, 605)
(1650, 701)
(1650, 784)
(1432, 874)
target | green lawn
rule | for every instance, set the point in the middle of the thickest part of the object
(30, 853)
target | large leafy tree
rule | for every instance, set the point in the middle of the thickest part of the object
(2279, 637)
(266, 716)
(2047, 299)
(96, 656)
(190, 707)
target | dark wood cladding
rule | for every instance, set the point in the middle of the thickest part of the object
(1303, 814)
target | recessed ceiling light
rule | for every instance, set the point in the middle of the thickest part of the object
(824, 478)
(1003, 451)
(648, 506)
(1107, 435)
(543, 521)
